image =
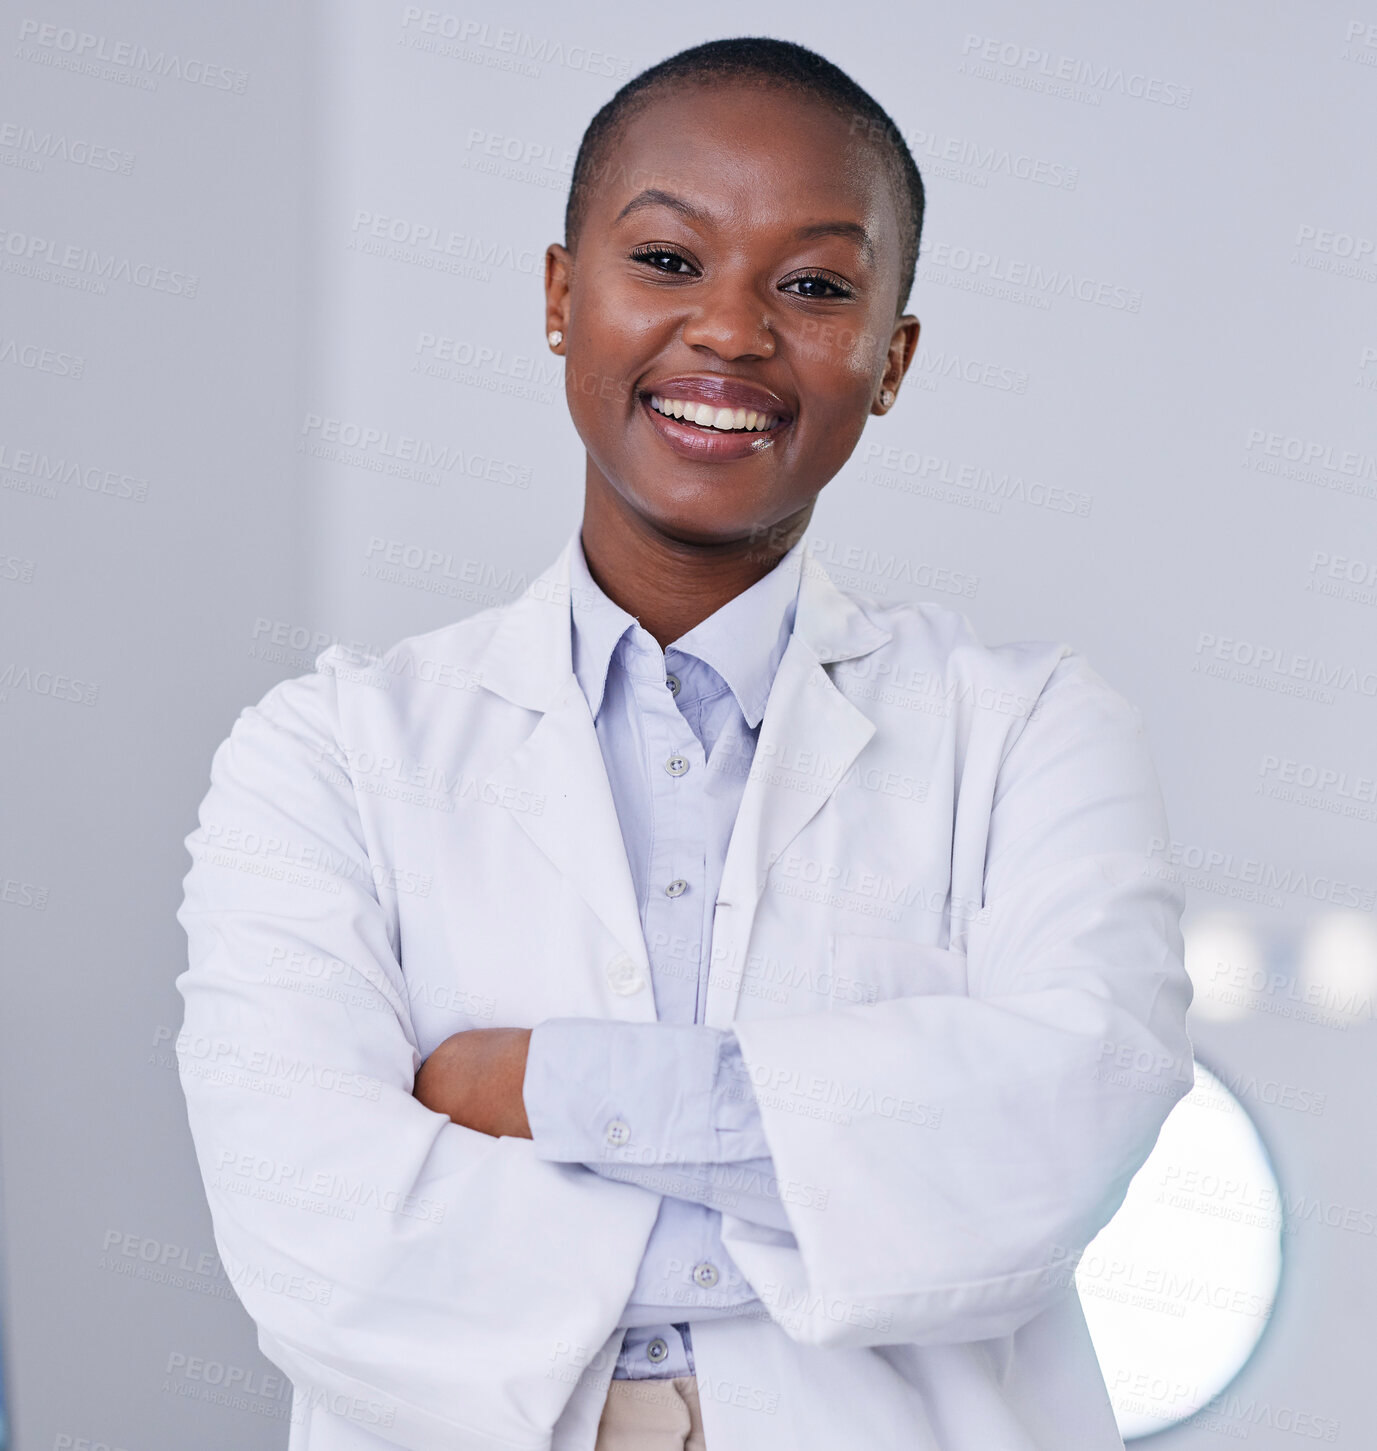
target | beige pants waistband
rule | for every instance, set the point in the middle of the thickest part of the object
(652, 1415)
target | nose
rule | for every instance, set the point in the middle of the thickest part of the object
(730, 320)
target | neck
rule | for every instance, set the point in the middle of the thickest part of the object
(670, 585)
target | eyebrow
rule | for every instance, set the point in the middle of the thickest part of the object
(654, 197)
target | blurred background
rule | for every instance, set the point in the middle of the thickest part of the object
(273, 374)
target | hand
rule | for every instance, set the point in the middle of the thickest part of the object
(476, 1078)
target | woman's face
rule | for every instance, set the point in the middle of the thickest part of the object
(739, 257)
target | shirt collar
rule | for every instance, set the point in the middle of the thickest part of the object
(744, 640)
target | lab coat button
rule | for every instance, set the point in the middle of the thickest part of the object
(673, 682)
(656, 1351)
(677, 765)
(676, 888)
(705, 1275)
(624, 975)
(618, 1132)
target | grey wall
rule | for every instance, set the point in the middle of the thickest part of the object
(147, 595)
(1202, 395)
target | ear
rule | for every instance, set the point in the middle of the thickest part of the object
(903, 347)
(558, 268)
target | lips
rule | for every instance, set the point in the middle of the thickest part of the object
(714, 441)
(720, 392)
(708, 445)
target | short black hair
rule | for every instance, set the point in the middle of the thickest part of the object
(759, 61)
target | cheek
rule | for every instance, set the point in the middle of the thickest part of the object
(840, 357)
(593, 392)
(609, 315)
(595, 374)
(606, 350)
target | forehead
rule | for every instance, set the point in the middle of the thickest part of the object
(757, 157)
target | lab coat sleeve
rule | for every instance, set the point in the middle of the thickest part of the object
(984, 1139)
(666, 1106)
(404, 1271)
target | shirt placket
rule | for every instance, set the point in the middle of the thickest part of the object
(672, 910)
(673, 918)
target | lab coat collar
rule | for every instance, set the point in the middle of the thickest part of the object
(528, 659)
(810, 735)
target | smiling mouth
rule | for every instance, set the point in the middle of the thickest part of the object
(712, 419)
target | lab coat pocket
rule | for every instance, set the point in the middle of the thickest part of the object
(868, 969)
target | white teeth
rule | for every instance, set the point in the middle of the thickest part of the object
(705, 415)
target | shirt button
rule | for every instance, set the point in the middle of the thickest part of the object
(677, 765)
(656, 1351)
(618, 1133)
(676, 888)
(705, 1275)
(673, 682)
(625, 976)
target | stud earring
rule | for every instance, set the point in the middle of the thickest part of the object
(886, 396)
(556, 337)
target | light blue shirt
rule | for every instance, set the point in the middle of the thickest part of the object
(668, 1105)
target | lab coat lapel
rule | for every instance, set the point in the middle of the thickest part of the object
(809, 737)
(555, 782)
(560, 766)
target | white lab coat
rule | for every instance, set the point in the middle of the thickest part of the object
(956, 979)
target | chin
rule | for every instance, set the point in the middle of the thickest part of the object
(696, 520)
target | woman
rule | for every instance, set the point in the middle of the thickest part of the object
(715, 1009)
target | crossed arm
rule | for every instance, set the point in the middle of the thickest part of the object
(699, 1138)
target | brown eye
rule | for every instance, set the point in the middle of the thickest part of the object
(815, 282)
(662, 259)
